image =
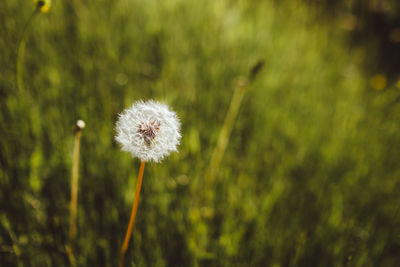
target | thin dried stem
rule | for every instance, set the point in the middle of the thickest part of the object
(133, 215)
(223, 138)
(74, 195)
(226, 130)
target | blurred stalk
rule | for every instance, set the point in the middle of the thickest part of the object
(223, 138)
(226, 130)
(133, 215)
(15, 248)
(21, 52)
(74, 191)
(206, 198)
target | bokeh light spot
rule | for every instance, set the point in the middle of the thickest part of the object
(378, 82)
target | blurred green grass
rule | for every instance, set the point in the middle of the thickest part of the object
(310, 174)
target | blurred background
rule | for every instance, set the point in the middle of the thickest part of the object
(310, 174)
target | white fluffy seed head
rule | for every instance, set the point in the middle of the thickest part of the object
(80, 124)
(148, 130)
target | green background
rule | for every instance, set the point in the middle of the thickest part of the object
(310, 176)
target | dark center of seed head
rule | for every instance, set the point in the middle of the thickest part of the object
(148, 131)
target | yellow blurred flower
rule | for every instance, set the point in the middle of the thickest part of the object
(378, 82)
(398, 83)
(43, 6)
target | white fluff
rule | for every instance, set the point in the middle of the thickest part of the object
(148, 130)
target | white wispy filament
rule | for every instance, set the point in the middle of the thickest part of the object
(148, 130)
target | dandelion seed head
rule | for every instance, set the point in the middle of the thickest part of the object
(80, 124)
(148, 130)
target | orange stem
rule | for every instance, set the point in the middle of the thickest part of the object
(133, 215)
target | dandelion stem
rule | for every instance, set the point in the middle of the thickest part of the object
(223, 138)
(226, 130)
(21, 52)
(74, 194)
(133, 215)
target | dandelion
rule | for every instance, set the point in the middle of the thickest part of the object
(80, 124)
(150, 131)
(43, 6)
